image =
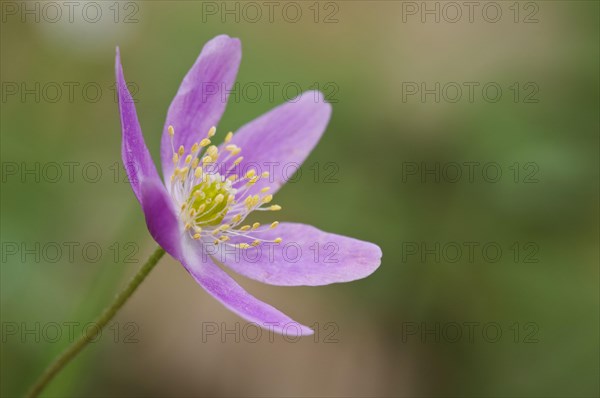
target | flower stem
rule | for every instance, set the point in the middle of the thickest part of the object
(91, 333)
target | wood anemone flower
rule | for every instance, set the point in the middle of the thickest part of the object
(198, 212)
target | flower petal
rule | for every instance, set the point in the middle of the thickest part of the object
(306, 256)
(161, 217)
(201, 100)
(222, 287)
(164, 227)
(280, 140)
(136, 158)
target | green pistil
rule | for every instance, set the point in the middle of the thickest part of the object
(208, 194)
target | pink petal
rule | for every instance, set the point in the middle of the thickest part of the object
(200, 100)
(280, 140)
(136, 158)
(306, 256)
(222, 287)
(161, 217)
(162, 222)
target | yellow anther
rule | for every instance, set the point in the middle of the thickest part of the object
(175, 158)
(228, 137)
(195, 163)
(181, 150)
(274, 224)
(206, 159)
(244, 246)
(278, 240)
(188, 159)
(212, 131)
(245, 228)
(183, 172)
(265, 189)
(232, 177)
(251, 173)
(196, 236)
(255, 243)
(219, 198)
(201, 208)
(198, 173)
(275, 208)
(251, 201)
(238, 161)
(255, 225)
(171, 131)
(237, 217)
(188, 226)
(195, 147)
(265, 174)
(204, 142)
(225, 227)
(252, 181)
(267, 198)
(224, 238)
(212, 151)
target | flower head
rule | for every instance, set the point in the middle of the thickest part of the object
(199, 213)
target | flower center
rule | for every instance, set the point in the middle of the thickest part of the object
(213, 200)
(209, 202)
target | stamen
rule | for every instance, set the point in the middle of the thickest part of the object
(214, 205)
(204, 142)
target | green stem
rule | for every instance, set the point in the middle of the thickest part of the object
(100, 323)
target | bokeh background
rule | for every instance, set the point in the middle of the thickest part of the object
(392, 334)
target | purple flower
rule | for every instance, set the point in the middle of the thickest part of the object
(198, 215)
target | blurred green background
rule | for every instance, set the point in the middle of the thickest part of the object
(392, 334)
